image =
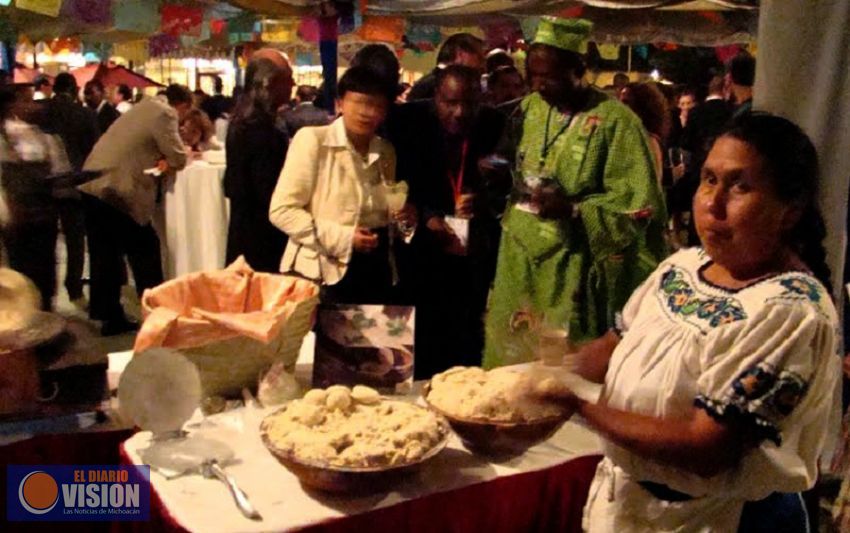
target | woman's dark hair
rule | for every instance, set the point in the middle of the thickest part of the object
(567, 60)
(201, 121)
(380, 59)
(255, 103)
(792, 162)
(650, 105)
(364, 80)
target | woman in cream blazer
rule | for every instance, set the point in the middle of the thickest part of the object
(330, 200)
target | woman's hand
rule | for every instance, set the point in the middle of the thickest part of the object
(364, 240)
(407, 216)
(591, 359)
(552, 390)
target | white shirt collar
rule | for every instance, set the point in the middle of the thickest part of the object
(713, 97)
(339, 139)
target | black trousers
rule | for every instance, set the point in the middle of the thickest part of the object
(73, 222)
(367, 280)
(31, 248)
(112, 236)
(450, 304)
(30, 238)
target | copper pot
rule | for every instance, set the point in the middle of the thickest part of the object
(19, 381)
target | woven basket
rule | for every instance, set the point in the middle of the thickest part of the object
(228, 363)
(228, 366)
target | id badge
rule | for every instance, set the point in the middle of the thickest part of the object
(460, 227)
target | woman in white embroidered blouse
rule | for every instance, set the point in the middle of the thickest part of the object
(331, 197)
(720, 387)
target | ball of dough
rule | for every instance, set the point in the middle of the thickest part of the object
(365, 395)
(316, 396)
(338, 399)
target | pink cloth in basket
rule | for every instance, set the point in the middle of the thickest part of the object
(205, 307)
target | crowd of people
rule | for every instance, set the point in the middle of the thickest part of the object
(675, 240)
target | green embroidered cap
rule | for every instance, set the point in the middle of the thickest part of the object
(566, 34)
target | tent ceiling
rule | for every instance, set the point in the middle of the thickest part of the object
(621, 22)
(41, 27)
(283, 8)
(616, 21)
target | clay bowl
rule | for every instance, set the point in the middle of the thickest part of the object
(498, 438)
(350, 480)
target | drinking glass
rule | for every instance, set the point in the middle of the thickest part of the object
(396, 194)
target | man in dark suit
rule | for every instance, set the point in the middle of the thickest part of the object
(216, 105)
(705, 123)
(439, 144)
(740, 78)
(77, 127)
(305, 113)
(106, 112)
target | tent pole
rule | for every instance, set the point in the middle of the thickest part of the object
(328, 45)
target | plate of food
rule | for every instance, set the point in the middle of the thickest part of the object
(494, 412)
(344, 439)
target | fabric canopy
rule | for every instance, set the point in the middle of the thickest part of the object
(42, 27)
(283, 8)
(112, 75)
(695, 23)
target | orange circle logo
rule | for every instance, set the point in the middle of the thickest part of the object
(38, 492)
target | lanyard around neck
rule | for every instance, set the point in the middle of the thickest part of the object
(456, 179)
(547, 144)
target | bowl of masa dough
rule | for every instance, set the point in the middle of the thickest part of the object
(493, 411)
(352, 440)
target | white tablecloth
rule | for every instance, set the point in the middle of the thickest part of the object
(196, 218)
(277, 494)
(284, 505)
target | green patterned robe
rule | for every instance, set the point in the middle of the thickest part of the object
(577, 273)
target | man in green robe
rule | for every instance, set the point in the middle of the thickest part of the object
(584, 226)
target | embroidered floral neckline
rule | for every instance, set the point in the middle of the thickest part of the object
(729, 290)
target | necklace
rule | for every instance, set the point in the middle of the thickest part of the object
(547, 144)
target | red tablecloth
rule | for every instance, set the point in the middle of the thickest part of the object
(547, 500)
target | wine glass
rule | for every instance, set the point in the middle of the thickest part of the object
(396, 194)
